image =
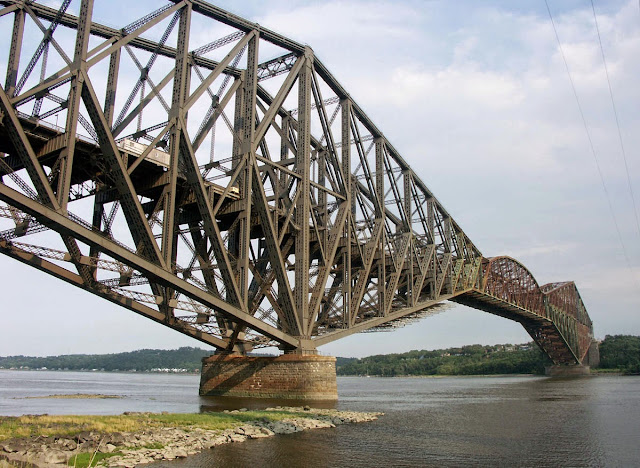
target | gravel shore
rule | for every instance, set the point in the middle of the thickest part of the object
(167, 443)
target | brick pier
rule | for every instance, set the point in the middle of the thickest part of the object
(289, 376)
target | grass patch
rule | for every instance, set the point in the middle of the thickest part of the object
(220, 421)
(69, 426)
(28, 426)
(86, 459)
(153, 446)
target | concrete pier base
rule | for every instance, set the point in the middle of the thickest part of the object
(567, 371)
(290, 376)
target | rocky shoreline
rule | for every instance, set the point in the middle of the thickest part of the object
(166, 443)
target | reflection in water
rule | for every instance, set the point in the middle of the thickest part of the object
(475, 421)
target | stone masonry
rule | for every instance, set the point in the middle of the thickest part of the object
(289, 376)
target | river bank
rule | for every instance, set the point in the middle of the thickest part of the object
(133, 439)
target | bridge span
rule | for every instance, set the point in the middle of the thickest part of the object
(212, 175)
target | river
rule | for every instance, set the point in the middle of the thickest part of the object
(452, 421)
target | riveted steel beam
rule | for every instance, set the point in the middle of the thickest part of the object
(61, 223)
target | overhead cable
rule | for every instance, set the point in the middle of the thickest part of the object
(615, 113)
(593, 150)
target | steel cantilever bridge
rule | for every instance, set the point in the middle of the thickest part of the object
(212, 175)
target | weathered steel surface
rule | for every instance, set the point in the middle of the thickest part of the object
(553, 314)
(228, 187)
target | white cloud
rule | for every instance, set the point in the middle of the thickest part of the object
(537, 250)
(464, 87)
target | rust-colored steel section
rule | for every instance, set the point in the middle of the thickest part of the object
(227, 186)
(509, 280)
(554, 314)
(566, 309)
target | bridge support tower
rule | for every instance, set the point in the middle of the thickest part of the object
(288, 376)
(591, 359)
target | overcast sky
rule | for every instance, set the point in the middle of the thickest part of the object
(476, 97)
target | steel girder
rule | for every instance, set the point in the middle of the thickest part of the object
(554, 314)
(232, 190)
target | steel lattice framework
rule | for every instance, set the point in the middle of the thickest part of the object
(227, 186)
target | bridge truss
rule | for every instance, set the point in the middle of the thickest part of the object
(212, 175)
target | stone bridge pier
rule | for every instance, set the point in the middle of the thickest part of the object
(288, 376)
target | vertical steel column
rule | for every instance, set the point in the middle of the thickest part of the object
(169, 228)
(109, 109)
(233, 240)
(432, 265)
(449, 243)
(98, 213)
(248, 159)
(284, 152)
(303, 205)
(283, 181)
(323, 220)
(380, 152)
(73, 110)
(345, 105)
(238, 125)
(112, 86)
(408, 210)
(14, 52)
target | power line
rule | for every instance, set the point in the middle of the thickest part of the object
(593, 150)
(615, 113)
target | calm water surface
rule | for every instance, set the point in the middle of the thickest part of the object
(490, 421)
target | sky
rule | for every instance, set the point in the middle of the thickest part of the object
(477, 99)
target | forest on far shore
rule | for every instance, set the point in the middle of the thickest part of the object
(619, 353)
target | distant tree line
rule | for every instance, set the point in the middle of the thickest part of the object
(143, 360)
(620, 353)
(467, 360)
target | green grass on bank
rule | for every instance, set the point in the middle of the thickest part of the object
(70, 426)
